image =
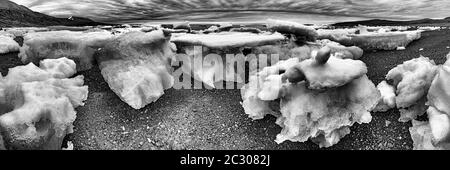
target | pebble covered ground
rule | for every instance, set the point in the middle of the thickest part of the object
(214, 119)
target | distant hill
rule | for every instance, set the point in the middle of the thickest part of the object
(380, 22)
(14, 15)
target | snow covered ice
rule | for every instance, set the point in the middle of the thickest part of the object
(136, 66)
(78, 46)
(38, 104)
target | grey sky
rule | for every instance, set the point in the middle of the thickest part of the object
(104, 10)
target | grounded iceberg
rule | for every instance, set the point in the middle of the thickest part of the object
(322, 112)
(435, 134)
(37, 104)
(78, 46)
(136, 66)
(412, 80)
(379, 40)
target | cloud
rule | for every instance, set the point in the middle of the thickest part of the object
(110, 10)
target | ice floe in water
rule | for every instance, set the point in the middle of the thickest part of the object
(78, 46)
(37, 104)
(136, 66)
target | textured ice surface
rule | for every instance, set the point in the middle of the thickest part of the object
(21, 31)
(226, 40)
(78, 46)
(334, 73)
(421, 136)
(263, 87)
(307, 33)
(412, 80)
(7, 44)
(341, 51)
(379, 40)
(325, 116)
(38, 105)
(387, 97)
(321, 115)
(136, 66)
(439, 101)
(439, 93)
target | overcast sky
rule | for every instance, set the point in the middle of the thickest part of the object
(109, 10)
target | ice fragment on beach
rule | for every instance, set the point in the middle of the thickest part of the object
(136, 66)
(263, 87)
(301, 31)
(37, 105)
(371, 40)
(325, 116)
(438, 100)
(412, 80)
(226, 40)
(421, 136)
(78, 46)
(334, 73)
(7, 45)
(387, 97)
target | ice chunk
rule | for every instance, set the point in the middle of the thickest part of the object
(334, 73)
(341, 51)
(421, 136)
(37, 105)
(263, 87)
(440, 125)
(183, 25)
(439, 93)
(136, 66)
(297, 29)
(226, 40)
(333, 34)
(78, 46)
(383, 41)
(7, 45)
(412, 80)
(371, 40)
(438, 100)
(325, 116)
(412, 112)
(59, 68)
(387, 97)
(43, 113)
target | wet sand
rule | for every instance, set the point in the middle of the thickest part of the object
(214, 119)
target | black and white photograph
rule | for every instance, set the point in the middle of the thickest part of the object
(242, 75)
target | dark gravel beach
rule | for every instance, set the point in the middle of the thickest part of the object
(214, 119)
